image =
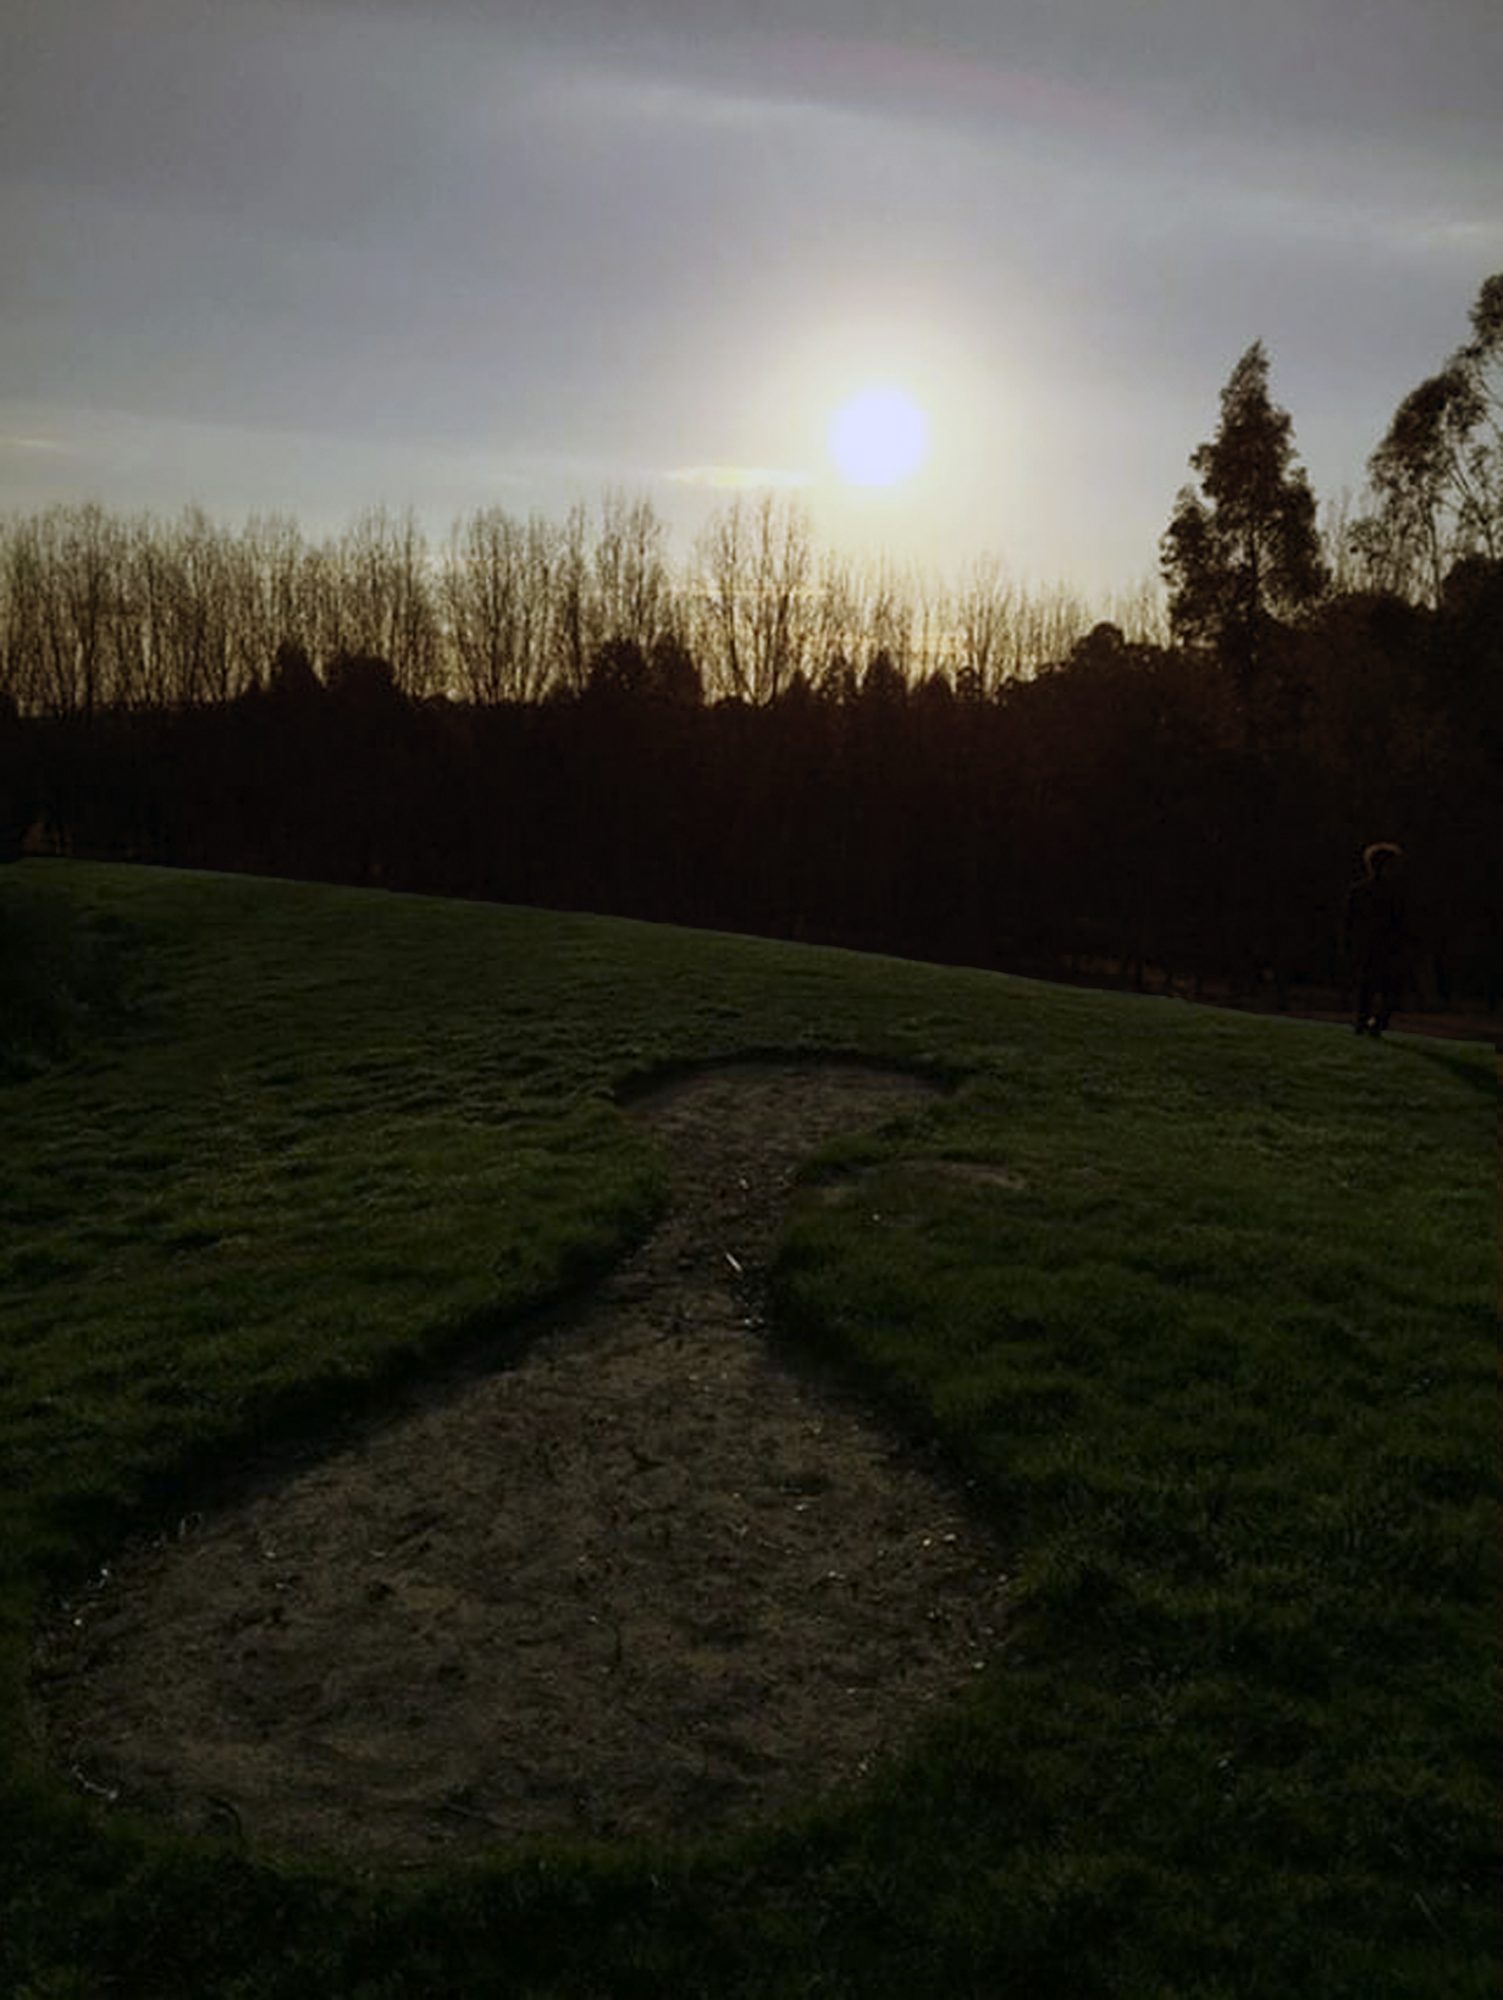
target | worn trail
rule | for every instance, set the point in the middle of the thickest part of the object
(645, 1580)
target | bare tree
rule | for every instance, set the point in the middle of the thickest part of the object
(496, 587)
(22, 586)
(630, 573)
(1046, 624)
(1141, 610)
(98, 610)
(386, 599)
(835, 621)
(62, 582)
(187, 585)
(274, 576)
(752, 583)
(889, 616)
(721, 588)
(478, 586)
(132, 679)
(323, 599)
(985, 608)
(576, 622)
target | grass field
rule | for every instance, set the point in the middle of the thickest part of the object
(1221, 1367)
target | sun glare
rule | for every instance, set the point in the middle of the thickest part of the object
(878, 438)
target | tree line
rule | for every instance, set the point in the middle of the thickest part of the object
(775, 741)
(100, 611)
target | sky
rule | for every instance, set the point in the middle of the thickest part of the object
(307, 258)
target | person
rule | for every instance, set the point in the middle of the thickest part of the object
(1376, 936)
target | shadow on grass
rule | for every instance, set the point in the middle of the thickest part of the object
(636, 1084)
(66, 978)
(1475, 1076)
(288, 1429)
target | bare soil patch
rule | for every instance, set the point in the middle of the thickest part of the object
(646, 1580)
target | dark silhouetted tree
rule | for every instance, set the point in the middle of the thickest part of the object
(617, 671)
(672, 675)
(362, 682)
(1244, 551)
(1437, 476)
(17, 785)
(883, 684)
(292, 677)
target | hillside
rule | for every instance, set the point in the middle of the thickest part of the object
(1191, 1313)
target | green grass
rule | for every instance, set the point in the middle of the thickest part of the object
(1222, 1367)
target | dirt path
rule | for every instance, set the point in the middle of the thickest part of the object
(644, 1580)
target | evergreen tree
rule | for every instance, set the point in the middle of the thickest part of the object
(1437, 477)
(1244, 551)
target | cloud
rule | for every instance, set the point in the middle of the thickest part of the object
(945, 84)
(594, 95)
(143, 460)
(736, 478)
(1482, 233)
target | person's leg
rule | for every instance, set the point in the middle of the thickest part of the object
(1364, 1001)
(1386, 997)
(1398, 986)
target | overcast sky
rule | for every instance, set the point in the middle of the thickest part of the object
(306, 257)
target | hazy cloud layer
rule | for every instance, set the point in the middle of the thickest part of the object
(520, 250)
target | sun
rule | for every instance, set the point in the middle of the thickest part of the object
(878, 437)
